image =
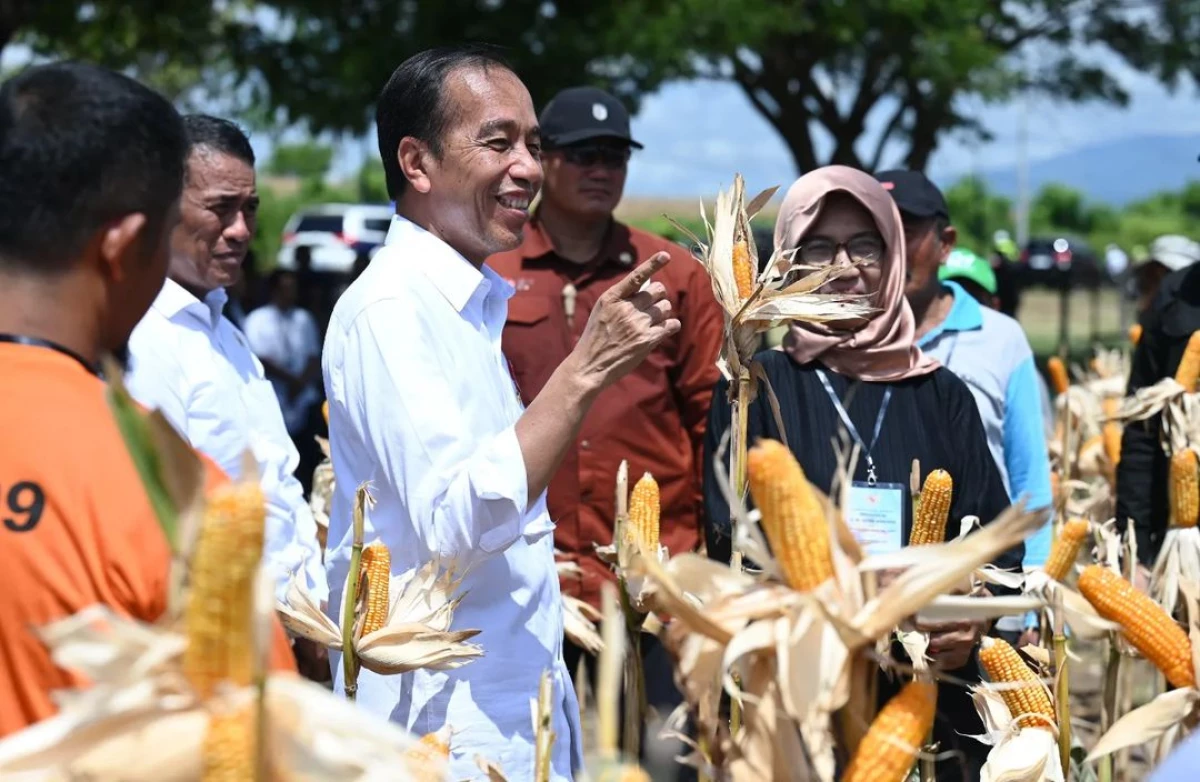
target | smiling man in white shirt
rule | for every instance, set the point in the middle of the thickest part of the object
(192, 363)
(422, 405)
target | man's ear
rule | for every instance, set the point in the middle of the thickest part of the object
(415, 158)
(949, 241)
(117, 241)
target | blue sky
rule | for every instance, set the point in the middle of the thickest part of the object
(697, 135)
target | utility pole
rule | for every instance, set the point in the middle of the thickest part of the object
(1023, 171)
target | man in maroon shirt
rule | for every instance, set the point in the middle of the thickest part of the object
(572, 252)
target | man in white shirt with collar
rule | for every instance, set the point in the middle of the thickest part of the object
(192, 363)
(422, 405)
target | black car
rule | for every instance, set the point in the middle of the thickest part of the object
(1059, 261)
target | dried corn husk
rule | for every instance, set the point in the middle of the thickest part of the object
(416, 634)
(144, 723)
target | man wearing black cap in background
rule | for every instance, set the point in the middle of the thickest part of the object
(573, 251)
(986, 349)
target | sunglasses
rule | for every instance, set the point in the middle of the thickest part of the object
(588, 156)
(864, 248)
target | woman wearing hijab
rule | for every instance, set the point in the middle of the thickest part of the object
(866, 377)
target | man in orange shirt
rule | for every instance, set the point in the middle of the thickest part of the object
(655, 417)
(91, 167)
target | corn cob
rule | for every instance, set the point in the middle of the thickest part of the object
(229, 742)
(792, 518)
(1189, 365)
(890, 747)
(220, 605)
(1112, 442)
(1143, 622)
(644, 513)
(1135, 334)
(933, 510)
(1056, 489)
(1058, 375)
(432, 746)
(325, 411)
(1066, 548)
(743, 273)
(1004, 666)
(1185, 489)
(377, 564)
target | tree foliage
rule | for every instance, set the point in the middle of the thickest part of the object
(307, 160)
(835, 74)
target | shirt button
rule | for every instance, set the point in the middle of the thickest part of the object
(625, 258)
(585, 445)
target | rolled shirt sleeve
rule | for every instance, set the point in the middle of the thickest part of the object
(464, 492)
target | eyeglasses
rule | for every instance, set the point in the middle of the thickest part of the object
(587, 156)
(865, 249)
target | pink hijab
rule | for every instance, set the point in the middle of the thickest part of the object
(885, 348)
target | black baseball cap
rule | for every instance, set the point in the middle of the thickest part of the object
(915, 195)
(584, 113)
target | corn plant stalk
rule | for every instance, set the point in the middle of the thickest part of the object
(608, 685)
(350, 599)
(545, 733)
(1062, 696)
(1108, 712)
(634, 675)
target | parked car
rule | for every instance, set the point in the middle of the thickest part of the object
(335, 235)
(1059, 262)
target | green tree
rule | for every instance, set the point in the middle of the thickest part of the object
(977, 213)
(1059, 207)
(308, 160)
(813, 69)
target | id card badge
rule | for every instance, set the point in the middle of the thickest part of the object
(875, 516)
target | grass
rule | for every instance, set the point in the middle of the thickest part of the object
(1039, 316)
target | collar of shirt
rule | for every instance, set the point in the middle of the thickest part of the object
(479, 295)
(966, 314)
(174, 300)
(618, 248)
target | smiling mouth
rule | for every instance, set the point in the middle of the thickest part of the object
(518, 202)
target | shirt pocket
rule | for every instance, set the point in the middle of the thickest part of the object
(527, 333)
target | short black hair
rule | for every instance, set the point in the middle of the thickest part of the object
(413, 102)
(219, 135)
(81, 146)
(277, 276)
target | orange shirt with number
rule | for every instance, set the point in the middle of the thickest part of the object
(76, 526)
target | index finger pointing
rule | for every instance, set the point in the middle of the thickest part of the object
(628, 287)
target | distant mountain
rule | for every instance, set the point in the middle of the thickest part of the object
(1115, 172)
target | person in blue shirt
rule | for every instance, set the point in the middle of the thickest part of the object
(986, 349)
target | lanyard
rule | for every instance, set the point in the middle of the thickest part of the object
(845, 416)
(38, 342)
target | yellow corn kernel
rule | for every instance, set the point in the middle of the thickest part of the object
(431, 747)
(792, 517)
(1058, 375)
(1112, 442)
(887, 752)
(933, 510)
(1143, 622)
(1135, 334)
(1189, 365)
(220, 606)
(1056, 489)
(743, 271)
(1184, 489)
(377, 564)
(1004, 666)
(1111, 406)
(229, 742)
(1066, 548)
(644, 513)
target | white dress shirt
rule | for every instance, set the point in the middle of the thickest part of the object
(289, 340)
(190, 362)
(422, 405)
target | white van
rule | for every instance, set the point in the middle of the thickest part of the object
(335, 234)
